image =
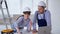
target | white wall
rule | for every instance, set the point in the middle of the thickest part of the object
(54, 7)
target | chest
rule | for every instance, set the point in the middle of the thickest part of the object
(41, 16)
(25, 22)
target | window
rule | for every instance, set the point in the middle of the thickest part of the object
(17, 6)
(31, 3)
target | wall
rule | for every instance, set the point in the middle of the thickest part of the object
(54, 7)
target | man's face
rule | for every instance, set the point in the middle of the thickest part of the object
(40, 9)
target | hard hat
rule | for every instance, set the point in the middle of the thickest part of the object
(41, 3)
(27, 10)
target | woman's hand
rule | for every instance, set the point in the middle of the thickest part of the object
(18, 30)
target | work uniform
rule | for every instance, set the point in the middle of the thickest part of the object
(44, 22)
(21, 23)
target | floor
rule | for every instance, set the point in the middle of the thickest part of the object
(2, 27)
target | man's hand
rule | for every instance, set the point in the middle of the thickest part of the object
(34, 31)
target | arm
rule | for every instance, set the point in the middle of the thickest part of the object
(16, 24)
(48, 18)
(30, 24)
(18, 30)
(34, 21)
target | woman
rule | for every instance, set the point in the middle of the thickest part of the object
(24, 21)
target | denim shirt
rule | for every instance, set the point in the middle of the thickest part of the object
(21, 22)
(47, 17)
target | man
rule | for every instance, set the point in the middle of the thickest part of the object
(24, 21)
(43, 18)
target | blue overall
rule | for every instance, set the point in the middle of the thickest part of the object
(42, 22)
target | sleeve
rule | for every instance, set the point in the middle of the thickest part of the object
(48, 18)
(34, 21)
(18, 22)
(29, 25)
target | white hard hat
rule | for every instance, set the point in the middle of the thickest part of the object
(41, 3)
(26, 9)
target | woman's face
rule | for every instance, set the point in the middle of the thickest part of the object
(40, 9)
(26, 16)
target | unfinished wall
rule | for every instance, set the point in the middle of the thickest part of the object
(54, 7)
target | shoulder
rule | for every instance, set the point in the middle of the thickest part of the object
(36, 11)
(21, 17)
(47, 12)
